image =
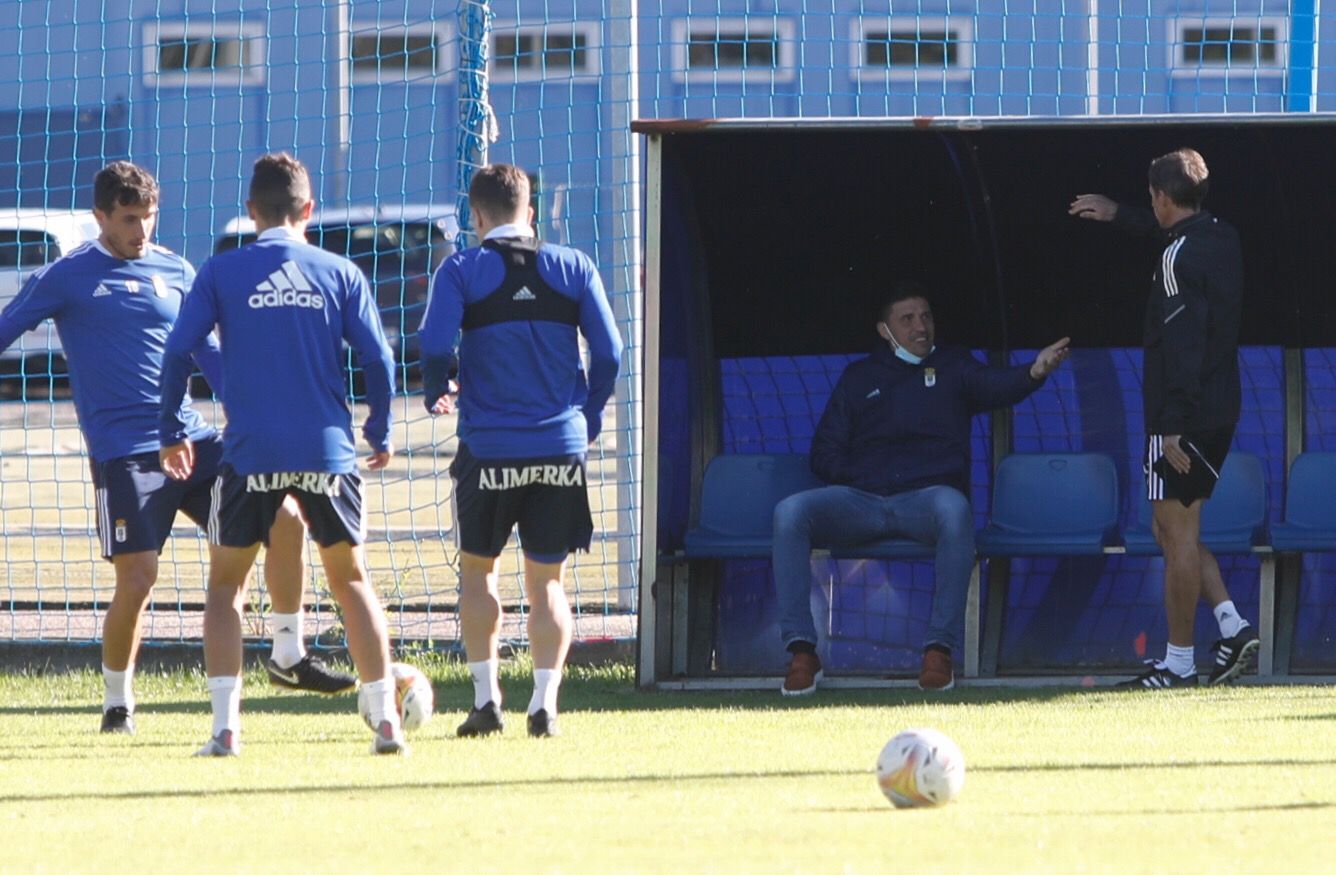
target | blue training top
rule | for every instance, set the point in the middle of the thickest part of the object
(113, 317)
(523, 391)
(284, 309)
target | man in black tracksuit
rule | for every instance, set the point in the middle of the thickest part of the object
(893, 444)
(1192, 397)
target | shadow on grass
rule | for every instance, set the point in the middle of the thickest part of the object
(607, 697)
(606, 780)
(1145, 812)
(679, 778)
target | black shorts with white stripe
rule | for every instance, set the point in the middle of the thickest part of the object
(137, 502)
(245, 505)
(1206, 450)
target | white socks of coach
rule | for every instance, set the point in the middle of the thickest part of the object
(1228, 617)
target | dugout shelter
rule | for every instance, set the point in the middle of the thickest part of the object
(770, 243)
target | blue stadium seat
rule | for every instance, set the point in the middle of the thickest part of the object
(1052, 504)
(1232, 521)
(1310, 515)
(737, 503)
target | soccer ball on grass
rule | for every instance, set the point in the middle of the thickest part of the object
(920, 768)
(412, 696)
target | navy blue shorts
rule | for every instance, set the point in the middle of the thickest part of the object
(245, 505)
(545, 497)
(137, 502)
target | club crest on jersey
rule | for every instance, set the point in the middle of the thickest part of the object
(498, 479)
(930, 377)
(286, 287)
(307, 481)
(159, 287)
(121, 531)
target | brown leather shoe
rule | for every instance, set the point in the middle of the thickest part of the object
(803, 675)
(937, 673)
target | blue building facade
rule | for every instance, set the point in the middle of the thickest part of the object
(367, 92)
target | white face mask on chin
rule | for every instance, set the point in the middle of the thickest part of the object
(903, 354)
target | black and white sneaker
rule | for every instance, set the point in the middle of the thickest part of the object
(118, 720)
(481, 721)
(543, 725)
(1158, 677)
(310, 674)
(1234, 655)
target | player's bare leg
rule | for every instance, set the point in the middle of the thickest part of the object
(229, 568)
(549, 639)
(121, 628)
(368, 640)
(289, 665)
(480, 627)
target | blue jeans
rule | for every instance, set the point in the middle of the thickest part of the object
(841, 516)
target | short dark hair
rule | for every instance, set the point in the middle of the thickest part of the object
(902, 290)
(1182, 175)
(124, 184)
(499, 191)
(280, 187)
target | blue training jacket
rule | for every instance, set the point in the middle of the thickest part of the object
(891, 426)
(522, 386)
(113, 317)
(284, 309)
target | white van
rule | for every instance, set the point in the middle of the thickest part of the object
(30, 239)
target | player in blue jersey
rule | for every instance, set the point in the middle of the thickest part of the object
(527, 415)
(284, 309)
(114, 301)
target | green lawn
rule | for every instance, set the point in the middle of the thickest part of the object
(1059, 780)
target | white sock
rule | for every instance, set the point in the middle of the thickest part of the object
(380, 701)
(118, 688)
(1228, 617)
(486, 682)
(225, 692)
(287, 632)
(546, 682)
(1182, 661)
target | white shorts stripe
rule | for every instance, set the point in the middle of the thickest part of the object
(103, 524)
(215, 498)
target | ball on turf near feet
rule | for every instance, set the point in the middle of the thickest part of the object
(413, 696)
(920, 768)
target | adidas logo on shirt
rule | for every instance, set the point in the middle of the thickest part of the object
(524, 295)
(286, 287)
(101, 291)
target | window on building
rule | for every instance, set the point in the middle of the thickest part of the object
(1225, 44)
(910, 47)
(733, 49)
(913, 47)
(205, 54)
(543, 52)
(395, 54)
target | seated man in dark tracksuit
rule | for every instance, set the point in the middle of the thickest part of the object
(893, 444)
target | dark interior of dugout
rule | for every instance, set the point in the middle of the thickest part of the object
(800, 232)
(781, 241)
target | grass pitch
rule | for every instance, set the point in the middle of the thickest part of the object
(1058, 780)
